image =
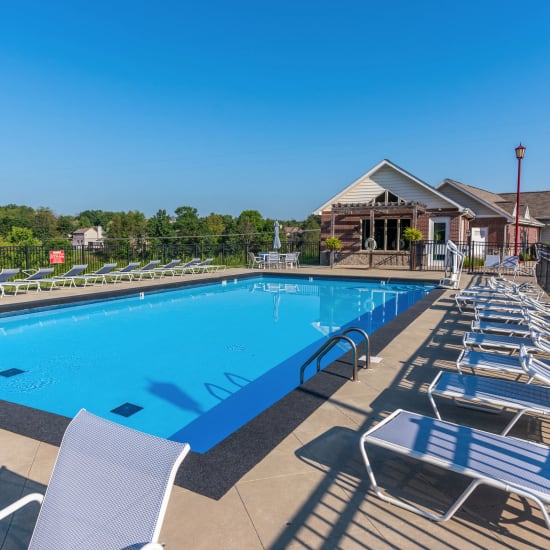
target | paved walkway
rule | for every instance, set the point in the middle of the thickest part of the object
(310, 491)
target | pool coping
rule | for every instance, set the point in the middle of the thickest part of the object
(213, 473)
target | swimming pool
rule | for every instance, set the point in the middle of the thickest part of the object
(193, 364)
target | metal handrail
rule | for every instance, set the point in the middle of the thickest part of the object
(367, 342)
(330, 343)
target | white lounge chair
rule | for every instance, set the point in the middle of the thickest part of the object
(148, 270)
(492, 262)
(186, 267)
(6, 275)
(206, 266)
(506, 344)
(506, 463)
(170, 267)
(109, 488)
(494, 362)
(98, 275)
(71, 275)
(492, 392)
(124, 272)
(33, 279)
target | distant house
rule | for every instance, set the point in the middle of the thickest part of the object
(88, 236)
(374, 210)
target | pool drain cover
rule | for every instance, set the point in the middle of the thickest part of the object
(11, 372)
(127, 409)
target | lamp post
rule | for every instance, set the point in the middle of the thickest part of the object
(520, 153)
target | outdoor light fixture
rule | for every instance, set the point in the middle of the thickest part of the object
(520, 153)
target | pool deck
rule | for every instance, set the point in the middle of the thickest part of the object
(311, 490)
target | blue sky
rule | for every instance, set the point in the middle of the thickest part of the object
(273, 105)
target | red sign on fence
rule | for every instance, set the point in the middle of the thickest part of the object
(57, 256)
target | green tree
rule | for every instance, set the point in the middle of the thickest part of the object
(66, 225)
(187, 222)
(130, 225)
(44, 224)
(13, 215)
(21, 236)
(159, 226)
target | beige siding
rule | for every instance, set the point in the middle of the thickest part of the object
(405, 188)
(364, 191)
(465, 200)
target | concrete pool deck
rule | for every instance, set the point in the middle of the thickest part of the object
(311, 490)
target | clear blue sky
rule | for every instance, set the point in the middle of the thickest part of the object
(273, 105)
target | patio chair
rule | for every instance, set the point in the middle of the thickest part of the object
(491, 392)
(6, 275)
(291, 260)
(255, 261)
(98, 275)
(124, 272)
(109, 488)
(473, 453)
(273, 259)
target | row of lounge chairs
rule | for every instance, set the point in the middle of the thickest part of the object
(107, 273)
(515, 346)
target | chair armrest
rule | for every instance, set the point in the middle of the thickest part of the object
(33, 497)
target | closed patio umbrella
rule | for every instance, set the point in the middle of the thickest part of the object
(276, 239)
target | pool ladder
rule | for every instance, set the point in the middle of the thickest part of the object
(331, 342)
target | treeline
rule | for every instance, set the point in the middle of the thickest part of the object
(23, 225)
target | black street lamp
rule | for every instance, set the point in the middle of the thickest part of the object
(520, 153)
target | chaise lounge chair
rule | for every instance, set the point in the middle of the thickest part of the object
(506, 463)
(493, 392)
(186, 267)
(109, 488)
(507, 344)
(98, 275)
(124, 272)
(6, 275)
(147, 270)
(34, 279)
(71, 275)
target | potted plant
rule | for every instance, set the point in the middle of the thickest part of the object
(333, 244)
(412, 235)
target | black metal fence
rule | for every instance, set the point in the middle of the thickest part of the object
(430, 255)
(122, 251)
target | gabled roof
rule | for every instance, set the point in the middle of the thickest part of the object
(502, 206)
(387, 163)
(487, 198)
(538, 202)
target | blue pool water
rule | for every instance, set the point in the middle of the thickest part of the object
(195, 363)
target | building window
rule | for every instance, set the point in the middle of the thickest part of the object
(387, 233)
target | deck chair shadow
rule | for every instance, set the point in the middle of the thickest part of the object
(473, 453)
(109, 488)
